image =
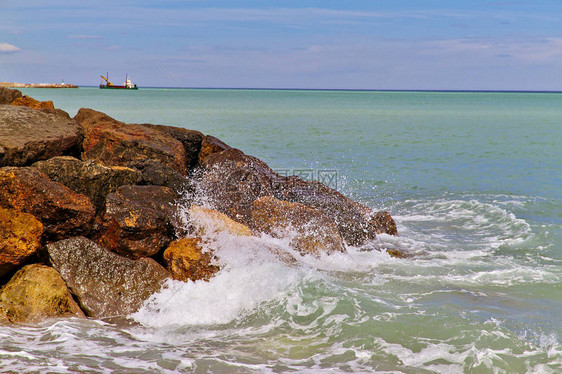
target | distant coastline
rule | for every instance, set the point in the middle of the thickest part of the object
(37, 85)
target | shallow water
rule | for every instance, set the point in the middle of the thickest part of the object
(473, 181)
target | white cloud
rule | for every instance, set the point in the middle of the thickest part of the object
(8, 48)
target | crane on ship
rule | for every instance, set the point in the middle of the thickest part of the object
(107, 80)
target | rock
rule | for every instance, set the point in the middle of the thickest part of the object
(310, 230)
(211, 145)
(191, 140)
(63, 212)
(348, 215)
(28, 135)
(382, 223)
(155, 173)
(89, 178)
(104, 283)
(138, 221)
(396, 253)
(7, 95)
(211, 222)
(186, 260)
(36, 292)
(231, 181)
(32, 103)
(20, 238)
(115, 143)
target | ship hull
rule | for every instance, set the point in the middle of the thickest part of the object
(113, 87)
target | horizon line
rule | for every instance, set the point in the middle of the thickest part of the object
(345, 89)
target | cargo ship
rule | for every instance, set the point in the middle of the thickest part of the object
(128, 85)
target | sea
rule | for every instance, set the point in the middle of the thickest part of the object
(473, 180)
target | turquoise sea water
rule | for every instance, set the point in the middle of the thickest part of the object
(474, 182)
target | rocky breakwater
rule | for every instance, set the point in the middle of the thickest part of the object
(96, 214)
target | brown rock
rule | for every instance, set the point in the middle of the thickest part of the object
(231, 181)
(138, 221)
(32, 103)
(310, 230)
(8, 95)
(346, 213)
(62, 211)
(36, 292)
(20, 237)
(105, 284)
(89, 178)
(208, 222)
(211, 145)
(28, 135)
(382, 223)
(155, 173)
(115, 143)
(191, 140)
(186, 260)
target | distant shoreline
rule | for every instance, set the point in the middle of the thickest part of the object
(37, 85)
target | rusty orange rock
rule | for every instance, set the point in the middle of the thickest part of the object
(186, 260)
(20, 237)
(63, 212)
(112, 142)
(32, 103)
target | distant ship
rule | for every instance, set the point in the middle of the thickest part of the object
(128, 85)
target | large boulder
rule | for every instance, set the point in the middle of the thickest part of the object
(309, 230)
(138, 221)
(104, 283)
(36, 292)
(63, 212)
(115, 143)
(28, 135)
(89, 178)
(8, 95)
(186, 260)
(191, 140)
(231, 180)
(32, 103)
(348, 215)
(20, 238)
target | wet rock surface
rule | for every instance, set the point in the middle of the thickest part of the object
(186, 260)
(311, 231)
(104, 283)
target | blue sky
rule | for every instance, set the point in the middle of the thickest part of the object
(391, 44)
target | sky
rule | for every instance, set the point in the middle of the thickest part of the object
(353, 44)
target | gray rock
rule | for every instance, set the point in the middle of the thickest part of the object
(28, 135)
(105, 284)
